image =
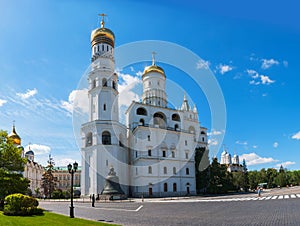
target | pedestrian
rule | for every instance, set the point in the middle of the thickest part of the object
(258, 191)
(93, 200)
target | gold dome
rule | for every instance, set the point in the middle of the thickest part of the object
(15, 137)
(102, 34)
(154, 68)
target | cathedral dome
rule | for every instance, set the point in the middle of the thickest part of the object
(15, 137)
(29, 152)
(102, 35)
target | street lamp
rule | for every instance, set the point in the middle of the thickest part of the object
(72, 171)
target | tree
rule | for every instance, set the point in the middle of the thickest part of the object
(201, 166)
(220, 180)
(281, 178)
(48, 180)
(245, 184)
(11, 168)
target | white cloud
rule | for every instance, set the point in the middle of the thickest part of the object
(2, 102)
(214, 133)
(296, 136)
(275, 145)
(258, 79)
(38, 149)
(128, 82)
(213, 142)
(224, 68)
(254, 146)
(285, 164)
(241, 142)
(29, 93)
(139, 73)
(266, 80)
(64, 161)
(202, 64)
(268, 63)
(78, 100)
(254, 159)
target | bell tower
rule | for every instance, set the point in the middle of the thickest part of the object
(103, 81)
(103, 136)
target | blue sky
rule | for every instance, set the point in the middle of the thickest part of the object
(250, 46)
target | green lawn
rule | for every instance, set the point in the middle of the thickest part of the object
(47, 219)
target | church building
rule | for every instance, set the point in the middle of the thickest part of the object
(153, 154)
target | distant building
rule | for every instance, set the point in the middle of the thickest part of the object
(32, 170)
(63, 178)
(233, 164)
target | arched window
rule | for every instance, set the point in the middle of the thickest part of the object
(142, 122)
(102, 47)
(106, 138)
(191, 129)
(188, 188)
(174, 187)
(165, 187)
(89, 140)
(173, 154)
(149, 169)
(114, 85)
(202, 132)
(104, 107)
(104, 82)
(174, 170)
(149, 152)
(165, 170)
(176, 117)
(159, 119)
(163, 153)
(106, 48)
(141, 111)
(187, 171)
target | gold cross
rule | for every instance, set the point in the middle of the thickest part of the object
(102, 21)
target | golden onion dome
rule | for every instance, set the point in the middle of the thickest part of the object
(102, 35)
(15, 137)
(154, 68)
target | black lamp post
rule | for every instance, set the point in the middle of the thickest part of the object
(72, 171)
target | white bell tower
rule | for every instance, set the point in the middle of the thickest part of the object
(103, 136)
(103, 81)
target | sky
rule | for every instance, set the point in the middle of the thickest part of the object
(251, 48)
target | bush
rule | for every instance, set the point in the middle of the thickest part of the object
(21, 205)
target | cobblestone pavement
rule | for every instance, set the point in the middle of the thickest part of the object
(276, 207)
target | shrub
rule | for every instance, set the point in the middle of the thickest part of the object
(21, 205)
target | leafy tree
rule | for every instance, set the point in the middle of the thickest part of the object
(48, 180)
(201, 166)
(281, 178)
(11, 168)
(271, 176)
(220, 180)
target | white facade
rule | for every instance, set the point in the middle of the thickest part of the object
(233, 164)
(153, 155)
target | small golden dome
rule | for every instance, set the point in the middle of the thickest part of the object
(15, 137)
(102, 34)
(154, 68)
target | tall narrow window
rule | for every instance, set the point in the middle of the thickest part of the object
(104, 82)
(186, 155)
(185, 142)
(164, 153)
(187, 171)
(149, 152)
(173, 154)
(104, 107)
(102, 47)
(114, 84)
(165, 187)
(149, 169)
(174, 187)
(174, 170)
(149, 138)
(165, 170)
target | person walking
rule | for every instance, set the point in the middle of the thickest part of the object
(93, 200)
(258, 191)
